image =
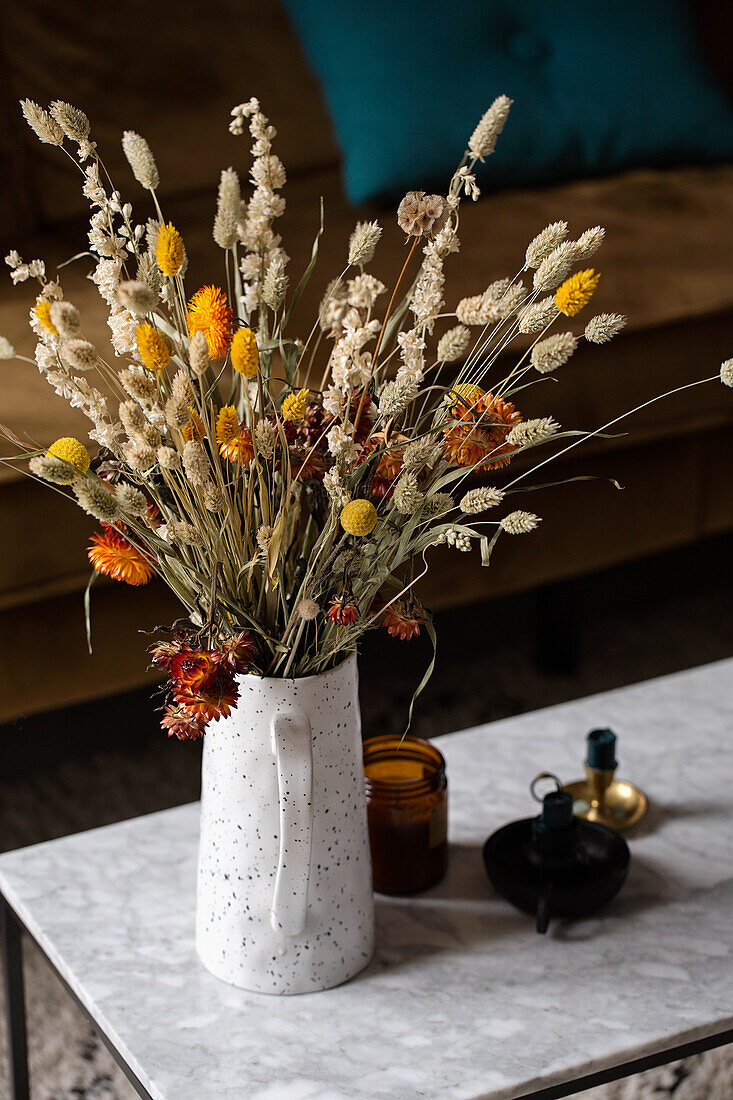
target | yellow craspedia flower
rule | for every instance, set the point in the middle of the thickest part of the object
(210, 313)
(576, 291)
(154, 346)
(71, 450)
(244, 354)
(358, 517)
(194, 429)
(169, 250)
(294, 405)
(42, 313)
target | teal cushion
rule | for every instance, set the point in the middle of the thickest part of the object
(598, 87)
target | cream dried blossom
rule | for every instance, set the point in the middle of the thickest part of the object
(53, 469)
(72, 121)
(264, 536)
(553, 352)
(538, 316)
(421, 215)
(338, 494)
(589, 242)
(7, 351)
(544, 243)
(136, 297)
(420, 453)
(364, 290)
(340, 442)
(41, 123)
(66, 319)
(198, 354)
(519, 523)
(96, 500)
(214, 499)
(460, 540)
(186, 533)
(726, 372)
(363, 242)
(555, 267)
(139, 455)
(453, 344)
(481, 499)
(139, 386)
(530, 433)
(79, 354)
(482, 141)
(603, 327)
(407, 496)
(275, 284)
(396, 396)
(227, 209)
(141, 160)
(412, 354)
(130, 499)
(308, 609)
(168, 458)
(196, 463)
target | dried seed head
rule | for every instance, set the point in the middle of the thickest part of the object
(519, 523)
(72, 121)
(130, 499)
(66, 318)
(137, 297)
(198, 354)
(227, 209)
(453, 344)
(196, 463)
(96, 500)
(308, 609)
(603, 327)
(553, 352)
(555, 267)
(480, 500)
(421, 215)
(141, 160)
(544, 243)
(482, 141)
(275, 284)
(538, 316)
(363, 242)
(168, 458)
(41, 123)
(530, 433)
(79, 354)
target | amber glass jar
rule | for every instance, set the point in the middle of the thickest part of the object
(407, 807)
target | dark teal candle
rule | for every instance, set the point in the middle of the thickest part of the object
(602, 750)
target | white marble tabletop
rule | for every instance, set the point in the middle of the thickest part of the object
(463, 1000)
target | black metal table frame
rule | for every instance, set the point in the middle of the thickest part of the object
(13, 928)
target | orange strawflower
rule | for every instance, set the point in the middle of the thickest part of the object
(463, 399)
(390, 463)
(482, 444)
(112, 555)
(210, 313)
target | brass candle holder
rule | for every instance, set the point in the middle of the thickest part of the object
(600, 797)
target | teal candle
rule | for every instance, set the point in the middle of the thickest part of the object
(602, 750)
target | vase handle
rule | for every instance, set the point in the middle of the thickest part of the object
(291, 746)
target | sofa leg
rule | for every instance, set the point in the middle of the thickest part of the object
(557, 643)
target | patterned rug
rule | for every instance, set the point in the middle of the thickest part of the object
(90, 766)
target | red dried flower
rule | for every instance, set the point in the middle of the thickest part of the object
(403, 620)
(343, 611)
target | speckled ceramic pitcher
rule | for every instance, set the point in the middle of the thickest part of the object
(285, 899)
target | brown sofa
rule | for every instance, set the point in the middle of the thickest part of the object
(173, 73)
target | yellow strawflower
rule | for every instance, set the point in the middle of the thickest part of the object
(294, 405)
(154, 347)
(227, 425)
(71, 450)
(169, 250)
(576, 291)
(210, 313)
(358, 517)
(42, 311)
(244, 355)
(194, 429)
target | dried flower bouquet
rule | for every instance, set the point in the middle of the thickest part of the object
(288, 488)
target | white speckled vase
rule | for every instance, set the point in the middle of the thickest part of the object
(285, 902)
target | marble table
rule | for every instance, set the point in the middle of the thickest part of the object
(463, 1000)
